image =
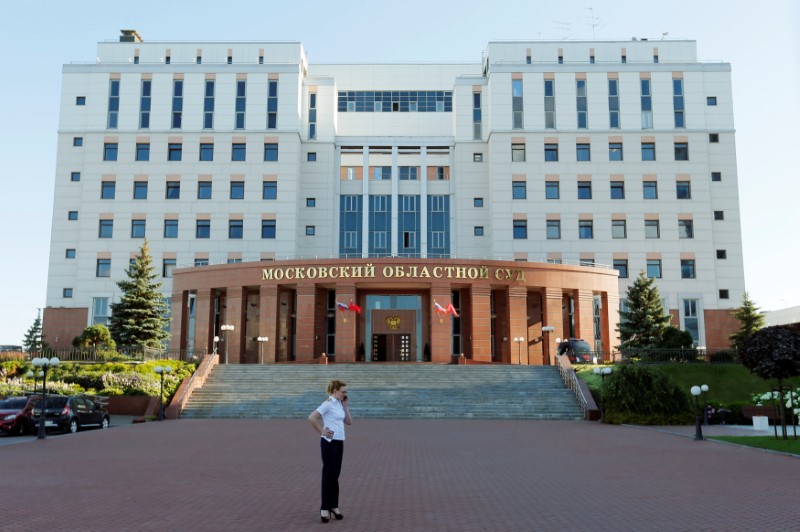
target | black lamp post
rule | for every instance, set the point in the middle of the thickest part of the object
(161, 371)
(698, 429)
(34, 375)
(44, 363)
(704, 389)
(603, 372)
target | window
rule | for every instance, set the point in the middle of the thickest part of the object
(239, 152)
(584, 190)
(476, 116)
(203, 229)
(516, 104)
(655, 58)
(382, 173)
(687, 269)
(648, 151)
(477, 230)
(270, 152)
(584, 152)
(652, 229)
(174, 152)
(553, 229)
(103, 268)
(67, 292)
(518, 190)
(272, 106)
(144, 103)
(312, 114)
(711, 101)
(520, 229)
(650, 190)
(551, 190)
(200, 262)
(442, 173)
(75, 176)
(311, 156)
(560, 59)
(647, 104)
(477, 202)
(690, 319)
(71, 254)
(208, 105)
(167, 267)
(173, 190)
(581, 102)
(269, 190)
(77, 141)
(170, 228)
(613, 104)
(722, 254)
(677, 103)
(719, 215)
(311, 202)
(724, 294)
(477, 157)
(100, 310)
(683, 189)
(713, 138)
(108, 189)
(267, 228)
(685, 229)
(681, 151)
(310, 230)
(551, 152)
(654, 268)
(621, 265)
(204, 190)
(80, 100)
(142, 151)
(407, 173)
(591, 59)
(617, 190)
(177, 103)
(110, 151)
(105, 228)
(237, 190)
(619, 229)
(241, 104)
(235, 228)
(207, 152)
(518, 153)
(140, 190)
(72, 215)
(138, 228)
(716, 176)
(549, 104)
(623, 59)
(113, 104)
(585, 229)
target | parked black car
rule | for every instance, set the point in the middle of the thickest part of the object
(71, 414)
(15, 413)
(578, 351)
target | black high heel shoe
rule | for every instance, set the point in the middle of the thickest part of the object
(337, 514)
(325, 518)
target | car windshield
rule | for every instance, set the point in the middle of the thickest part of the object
(581, 347)
(14, 403)
(55, 402)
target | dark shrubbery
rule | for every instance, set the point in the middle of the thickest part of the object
(640, 395)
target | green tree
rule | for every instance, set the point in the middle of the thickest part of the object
(33, 342)
(95, 336)
(643, 324)
(139, 318)
(674, 338)
(750, 320)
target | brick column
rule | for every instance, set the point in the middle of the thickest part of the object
(177, 326)
(268, 321)
(345, 339)
(305, 312)
(204, 320)
(441, 333)
(584, 315)
(609, 321)
(552, 315)
(236, 304)
(518, 324)
(481, 323)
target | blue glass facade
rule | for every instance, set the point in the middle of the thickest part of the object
(380, 226)
(350, 215)
(408, 226)
(395, 101)
(438, 226)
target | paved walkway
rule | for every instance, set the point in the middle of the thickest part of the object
(223, 475)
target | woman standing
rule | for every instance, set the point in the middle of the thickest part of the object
(329, 421)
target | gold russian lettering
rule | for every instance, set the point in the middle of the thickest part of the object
(344, 272)
(399, 272)
(355, 271)
(412, 271)
(449, 270)
(312, 272)
(437, 272)
(290, 273)
(332, 270)
(369, 270)
(266, 274)
(279, 274)
(498, 274)
(472, 273)
(300, 272)
(484, 273)
(424, 272)
(461, 272)
(521, 275)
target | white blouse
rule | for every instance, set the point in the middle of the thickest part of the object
(332, 413)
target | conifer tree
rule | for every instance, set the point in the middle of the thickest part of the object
(34, 341)
(139, 318)
(750, 320)
(644, 322)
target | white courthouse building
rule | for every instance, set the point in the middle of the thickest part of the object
(246, 166)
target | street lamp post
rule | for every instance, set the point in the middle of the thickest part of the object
(34, 376)
(161, 371)
(225, 329)
(216, 341)
(603, 372)
(261, 341)
(546, 330)
(704, 389)
(44, 363)
(698, 430)
(519, 348)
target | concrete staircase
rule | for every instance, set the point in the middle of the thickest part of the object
(292, 391)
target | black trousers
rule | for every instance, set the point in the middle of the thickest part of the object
(332, 452)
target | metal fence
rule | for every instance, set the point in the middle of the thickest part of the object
(129, 354)
(678, 356)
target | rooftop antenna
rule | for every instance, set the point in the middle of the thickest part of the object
(664, 34)
(564, 29)
(593, 21)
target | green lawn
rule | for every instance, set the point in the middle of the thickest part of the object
(764, 442)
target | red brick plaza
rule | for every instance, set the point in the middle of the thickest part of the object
(224, 475)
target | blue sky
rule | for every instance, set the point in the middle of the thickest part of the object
(761, 40)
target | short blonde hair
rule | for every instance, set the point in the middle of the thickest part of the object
(335, 386)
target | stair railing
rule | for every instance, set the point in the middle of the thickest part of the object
(577, 386)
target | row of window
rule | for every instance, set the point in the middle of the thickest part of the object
(269, 190)
(619, 229)
(552, 190)
(175, 151)
(202, 230)
(583, 151)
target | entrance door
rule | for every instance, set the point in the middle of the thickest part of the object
(394, 333)
(391, 347)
